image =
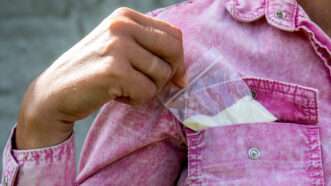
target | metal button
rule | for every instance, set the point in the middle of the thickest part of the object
(254, 153)
(280, 14)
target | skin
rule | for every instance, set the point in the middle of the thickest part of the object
(319, 11)
(129, 57)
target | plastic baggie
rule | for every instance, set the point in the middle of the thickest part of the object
(214, 96)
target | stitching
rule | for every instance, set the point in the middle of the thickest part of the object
(54, 154)
(277, 23)
(316, 44)
(314, 164)
(307, 103)
(280, 84)
(287, 94)
(246, 17)
(194, 144)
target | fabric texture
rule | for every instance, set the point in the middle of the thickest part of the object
(284, 58)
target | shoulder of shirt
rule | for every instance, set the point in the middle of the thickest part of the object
(279, 13)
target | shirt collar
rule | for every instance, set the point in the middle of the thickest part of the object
(282, 13)
(286, 15)
(279, 13)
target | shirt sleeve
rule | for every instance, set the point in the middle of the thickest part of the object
(51, 166)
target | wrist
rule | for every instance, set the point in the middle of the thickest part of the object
(31, 135)
(38, 129)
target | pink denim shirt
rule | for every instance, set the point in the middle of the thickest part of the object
(284, 58)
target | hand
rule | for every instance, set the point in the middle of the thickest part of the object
(129, 57)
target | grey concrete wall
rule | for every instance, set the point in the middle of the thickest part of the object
(35, 32)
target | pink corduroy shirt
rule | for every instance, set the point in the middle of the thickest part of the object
(283, 57)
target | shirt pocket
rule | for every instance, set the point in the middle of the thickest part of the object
(285, 153)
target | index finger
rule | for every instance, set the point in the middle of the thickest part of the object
(159, 37)
(149, 21)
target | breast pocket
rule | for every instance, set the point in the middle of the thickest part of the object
(285, 153)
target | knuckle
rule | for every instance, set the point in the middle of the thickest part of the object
(115, 43)
(166, 73)
(123, 11)
(119, 24)
(163, 78)
(118, 46)
(159, 70)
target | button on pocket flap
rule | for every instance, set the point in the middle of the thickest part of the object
(288, 102)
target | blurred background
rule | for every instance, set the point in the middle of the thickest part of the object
(33, 33)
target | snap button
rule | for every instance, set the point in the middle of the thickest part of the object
(254, 153)
(280, 14)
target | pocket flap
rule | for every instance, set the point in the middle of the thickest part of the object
(288, 102)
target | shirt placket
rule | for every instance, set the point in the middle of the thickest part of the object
(323, 52)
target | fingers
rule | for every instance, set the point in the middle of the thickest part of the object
(157, 41)
(150, 65)
(174, 57)
(169, 49)
(148, 21)
(158, 37)
(138, 88)
(126, 84)
(154, 51)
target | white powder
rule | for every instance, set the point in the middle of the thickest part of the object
(244, 111)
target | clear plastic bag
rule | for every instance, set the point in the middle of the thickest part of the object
(215, 96)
